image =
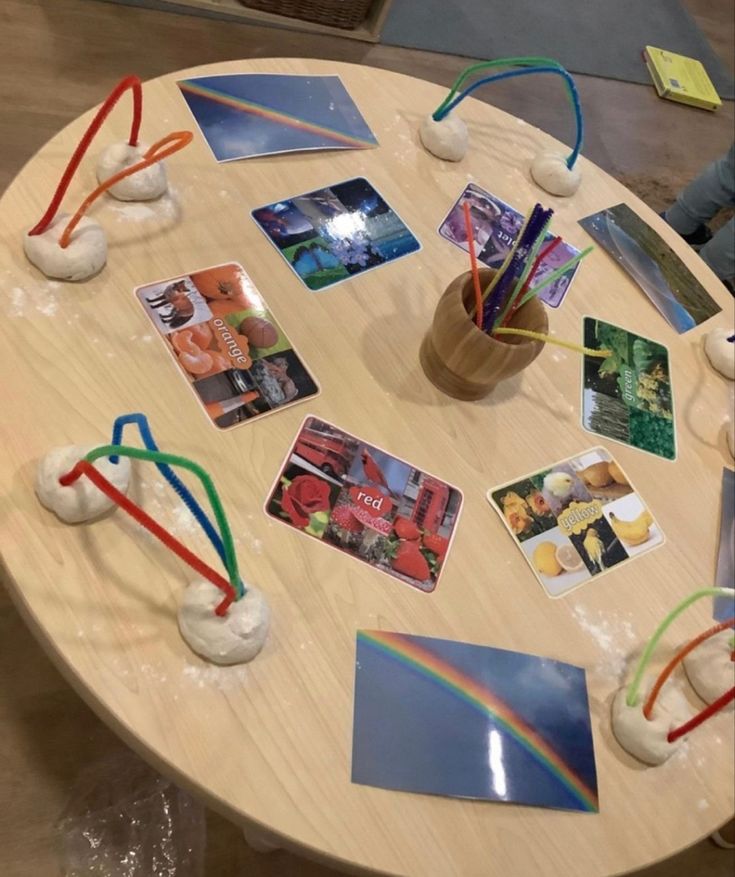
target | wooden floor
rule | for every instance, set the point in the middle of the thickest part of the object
(59, 57)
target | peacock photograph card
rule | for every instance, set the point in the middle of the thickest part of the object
(336, 233)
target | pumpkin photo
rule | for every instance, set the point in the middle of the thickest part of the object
(223, 283)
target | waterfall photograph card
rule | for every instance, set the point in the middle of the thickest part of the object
(649, 260)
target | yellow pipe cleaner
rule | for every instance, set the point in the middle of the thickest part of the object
(537, 336)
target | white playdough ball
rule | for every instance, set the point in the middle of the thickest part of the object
(447, 139)
(550, 171)
(83, 258)
(644, 739)
(233, 638)
(144, 185)
(82, 500)
(709, 667)
(721, 352)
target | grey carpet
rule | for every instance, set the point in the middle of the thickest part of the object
(597, 37)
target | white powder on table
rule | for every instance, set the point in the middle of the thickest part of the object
(132, 212)
(210, 676)
(165, 207)
(28, 301)
(614, 635)
(191, 676)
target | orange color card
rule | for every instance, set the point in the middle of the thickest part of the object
(227, 343)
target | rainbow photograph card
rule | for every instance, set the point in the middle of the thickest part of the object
(441, 717)
(244, 115)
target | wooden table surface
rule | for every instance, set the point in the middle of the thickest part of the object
(269, 744)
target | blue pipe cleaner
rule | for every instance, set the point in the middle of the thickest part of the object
(173, 479)
(527, 71)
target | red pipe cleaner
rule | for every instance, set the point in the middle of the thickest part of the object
(678, 658)
(84, 467)
(697, 720)
(473, 264)
(130, 82)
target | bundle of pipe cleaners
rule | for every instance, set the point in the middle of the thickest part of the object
(633, 690)
(510, 288)
(161, 149)
(232, 587)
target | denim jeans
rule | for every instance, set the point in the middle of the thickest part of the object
(713, 189)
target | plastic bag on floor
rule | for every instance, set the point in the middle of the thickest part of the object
(125, 820)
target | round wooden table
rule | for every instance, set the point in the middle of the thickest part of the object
(269, 744)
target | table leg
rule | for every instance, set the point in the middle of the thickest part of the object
(725, 836)
(259, 841)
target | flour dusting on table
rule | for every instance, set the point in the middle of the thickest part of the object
(209, 676)
(29, 301)
(199, 676)
(162, 503)
(166, 507)
(615, 636)
(132, 212)
(165, 207)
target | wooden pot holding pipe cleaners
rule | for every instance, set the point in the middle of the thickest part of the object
(467, 363)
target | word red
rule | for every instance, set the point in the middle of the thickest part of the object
(372, 499)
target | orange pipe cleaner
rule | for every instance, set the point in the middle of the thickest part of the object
(177, 139)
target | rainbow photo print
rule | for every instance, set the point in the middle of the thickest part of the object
(243, 115)
(441, 717)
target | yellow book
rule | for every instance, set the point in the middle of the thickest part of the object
(682, 79)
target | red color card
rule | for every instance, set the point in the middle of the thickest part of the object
(367, 503)
(227, 343)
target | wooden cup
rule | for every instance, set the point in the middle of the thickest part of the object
(462, 360)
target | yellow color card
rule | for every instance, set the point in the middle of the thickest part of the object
(576, 520)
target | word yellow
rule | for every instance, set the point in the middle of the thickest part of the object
(579, 516)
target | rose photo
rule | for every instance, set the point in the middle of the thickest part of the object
(304, 500)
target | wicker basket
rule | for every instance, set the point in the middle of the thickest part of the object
(347, 14)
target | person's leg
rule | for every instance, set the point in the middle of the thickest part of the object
(719, 253)
(713, 189)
